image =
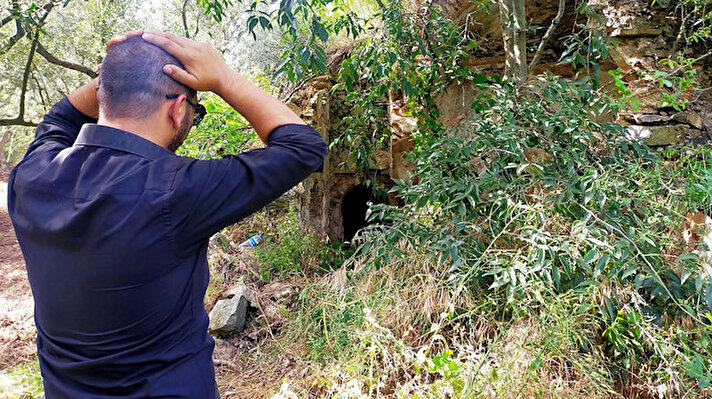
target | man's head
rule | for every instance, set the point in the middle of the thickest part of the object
(134, 86)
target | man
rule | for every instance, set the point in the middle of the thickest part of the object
(114, 226)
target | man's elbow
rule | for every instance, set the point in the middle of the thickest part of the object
(321, 150)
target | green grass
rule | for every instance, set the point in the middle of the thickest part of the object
(21, 382)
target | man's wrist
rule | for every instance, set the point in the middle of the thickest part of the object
(228, 84)
(85, 99)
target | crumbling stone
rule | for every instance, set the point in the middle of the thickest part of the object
(649, 98)
(656, 136)
(691, 118)
(650, 119)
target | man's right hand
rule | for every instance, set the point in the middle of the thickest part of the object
(205, 69)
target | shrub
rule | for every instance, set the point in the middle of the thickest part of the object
(536, 196)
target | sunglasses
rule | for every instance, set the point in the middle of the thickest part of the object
(199, 109)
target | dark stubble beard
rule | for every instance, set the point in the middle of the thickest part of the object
(181, 134)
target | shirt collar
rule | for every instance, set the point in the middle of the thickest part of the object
(117, 139)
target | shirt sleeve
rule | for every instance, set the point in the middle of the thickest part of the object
(59, 128)
(210, 195)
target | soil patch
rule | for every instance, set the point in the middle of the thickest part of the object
(17, 329)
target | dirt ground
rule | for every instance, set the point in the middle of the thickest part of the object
(17, 329)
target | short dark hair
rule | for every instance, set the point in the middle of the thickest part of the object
(132, 83)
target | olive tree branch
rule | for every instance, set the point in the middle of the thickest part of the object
(66, 64)
(20, 30)
(185, 20)
(20, 119)
(14, 9)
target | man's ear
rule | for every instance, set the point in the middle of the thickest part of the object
(176, 111)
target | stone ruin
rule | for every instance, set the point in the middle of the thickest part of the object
(332, 202)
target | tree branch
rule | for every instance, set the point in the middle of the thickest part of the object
(20, 119)
(185, 21)
(548, 34)
(10, 17)
(19, 34)
(514, 37)
(20, 31)
(16, 122)
(6, 20)
(683, 28)
(66, 64)
(26, 77)
(678, 69)
(197, 27)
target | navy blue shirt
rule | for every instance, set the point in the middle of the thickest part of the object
(114, 230)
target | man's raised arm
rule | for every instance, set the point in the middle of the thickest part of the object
(62, 123)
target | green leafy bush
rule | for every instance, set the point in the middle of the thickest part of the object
(223, 132)
(536, 196)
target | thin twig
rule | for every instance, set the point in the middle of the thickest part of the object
(296, 89)
(226, 363)
(678, 69)
(269, 326)
(683, 27)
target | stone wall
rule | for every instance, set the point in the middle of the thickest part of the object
(644, 35)
(321, 195)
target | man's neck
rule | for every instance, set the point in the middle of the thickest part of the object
(145, 128)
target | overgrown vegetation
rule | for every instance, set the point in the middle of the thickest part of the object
(538, 253)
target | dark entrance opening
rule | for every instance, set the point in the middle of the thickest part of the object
(354, 207)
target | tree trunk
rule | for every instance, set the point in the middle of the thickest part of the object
(512, 19)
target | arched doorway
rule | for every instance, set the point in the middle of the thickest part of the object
(353, 209)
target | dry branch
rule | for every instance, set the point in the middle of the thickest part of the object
(547, 36)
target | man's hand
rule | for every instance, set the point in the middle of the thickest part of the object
(205, 69)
